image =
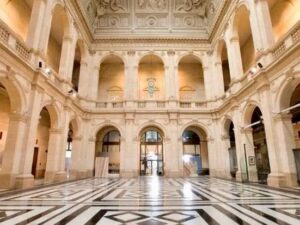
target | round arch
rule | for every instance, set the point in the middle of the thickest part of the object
(15, 93)
(66, 18)
(284, 94)
(242, 6)
(162, 130)
(102, 126)
(53, 110)
(248, 111)
(112, 55)
(196, 56)
(198, 125)
(153, 54)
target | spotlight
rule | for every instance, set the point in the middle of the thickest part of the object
(260, 65)
(40, 64)
(48, 71)
(253, 70)
(72, 93)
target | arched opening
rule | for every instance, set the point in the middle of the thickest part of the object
(111, 79)
(260, 146)
(225, 66)
(244, 33)
(195, 152)
(69, 149)
(41, 145)
(16, 14)
(151, 78)
(229, 127)
(58, 32)
(191, 79)
(295, 112)
(284, 15)
(5, 109)
(76, 68)
(151, 152)
(108, 146)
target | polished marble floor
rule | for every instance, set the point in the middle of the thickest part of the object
(151, 201)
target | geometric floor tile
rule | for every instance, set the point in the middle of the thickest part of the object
(151, 201)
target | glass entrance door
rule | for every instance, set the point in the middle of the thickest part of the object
(151, 154)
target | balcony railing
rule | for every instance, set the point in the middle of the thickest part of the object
(286, 42)
(10, 39)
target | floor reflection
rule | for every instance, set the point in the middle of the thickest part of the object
(151, 201)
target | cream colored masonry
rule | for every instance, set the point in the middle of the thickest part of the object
(30, 89)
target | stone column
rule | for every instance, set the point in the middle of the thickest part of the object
(207, 82)
(275, 178)
(94, 77)
(248, 151)
(240, 154)
(131, 160)
(131, 79)
(235, 58)
(84, 157)
(286, 143)
(212, 157)
(76, 157)
(90, 157)
(264, 22)
(173, 156)
(171, 72)
(25, 179)
(46, 29)
(167, 82)
(36, 25)
(12, 155)
(218, 79)
(67, 52)
(54, 156)
(176, 82)
(83, 84)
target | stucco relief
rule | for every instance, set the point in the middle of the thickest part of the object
(152, 5)
(142, 16)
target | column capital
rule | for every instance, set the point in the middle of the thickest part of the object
(131, 53)
(96, 68)
(283, 117)
(171, 52)
(234, 39)
(68, 38)
(55, 131)
(14, 116)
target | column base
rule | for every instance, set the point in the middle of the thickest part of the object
(60, 176)
(282, 180)
(173, 174)
(7, 181)
(24, 181)
(129, 174)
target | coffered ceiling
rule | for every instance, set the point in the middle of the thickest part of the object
(127, 19)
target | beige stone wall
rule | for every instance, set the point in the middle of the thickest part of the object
(191, 77)
(284, 15)
(156, 71)
(16, 14)
(53, 53)
(4, 119)
(111, 82)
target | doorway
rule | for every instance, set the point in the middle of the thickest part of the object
(151, 154)
(260, 147)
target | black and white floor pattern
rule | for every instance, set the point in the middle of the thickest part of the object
(151, 201)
